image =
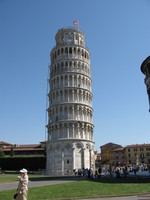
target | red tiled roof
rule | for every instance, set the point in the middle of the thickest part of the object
(24, 149)
(4, 143)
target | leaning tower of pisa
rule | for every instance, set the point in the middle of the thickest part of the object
(70, 144)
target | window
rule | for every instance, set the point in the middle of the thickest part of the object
(148, 154)
(70, 50)
(141, 149)
(77, 37)
(66, 50)
(67, 161)
(128, 150)
(147, 149)
(129, 155)
(142, 155)
(135, 150)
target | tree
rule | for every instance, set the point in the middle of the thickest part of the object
(2, 154)
(12, 151)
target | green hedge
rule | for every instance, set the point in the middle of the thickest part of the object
(17, 163)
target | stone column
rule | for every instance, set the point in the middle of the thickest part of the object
(62, 130)
(68, 130)
(86, 132)
(77, 112)
(83, 132)
(78, 131)
(58, 131)
(63, 93)
(77, 80)
(63, 80)
(68, 94)
(73, 158)
(62, 155)
(50, 134)
(59, 96)
(54, 133)
(85, 117)
(82, 113)
(73, 112)
(72, 80)
(73, 130)
(72, 95)
(67, 112)
(63, 112)
(84, 158)
(77, 95)
(68, 80)
(82, 96)
(90, 159)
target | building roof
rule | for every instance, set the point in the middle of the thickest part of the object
(29, 147)
(118, 149)
(4, 143)
(137, 145)
(25, 147)
(111, 144)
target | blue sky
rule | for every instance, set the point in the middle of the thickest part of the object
(118, 37)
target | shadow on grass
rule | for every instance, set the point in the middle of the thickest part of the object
(134, 180)
(49, 178)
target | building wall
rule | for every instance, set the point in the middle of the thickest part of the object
(140, 152)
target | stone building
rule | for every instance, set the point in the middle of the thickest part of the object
(130, 154)
(145, 68)
(23, 149)
(106, 152)
(70, 143)
(137, 152)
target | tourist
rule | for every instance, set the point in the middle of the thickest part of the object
(23, 185)
(105, 171)
(134, 169)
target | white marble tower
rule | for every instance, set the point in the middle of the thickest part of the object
(70, 126)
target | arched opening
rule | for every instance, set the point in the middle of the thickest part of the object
(70, 50)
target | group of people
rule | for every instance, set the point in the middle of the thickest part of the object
(115, 172)
(84, 172)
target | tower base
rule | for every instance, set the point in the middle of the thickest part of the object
(66, 157)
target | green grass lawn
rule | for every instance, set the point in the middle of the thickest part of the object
(13, 177)
(8, 178)
(86, 188)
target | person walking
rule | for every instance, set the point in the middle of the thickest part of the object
(134, 169)
(22, 185)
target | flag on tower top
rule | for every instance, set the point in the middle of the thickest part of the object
(75, 22)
